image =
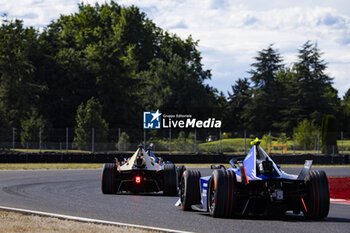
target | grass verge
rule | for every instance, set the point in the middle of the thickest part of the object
(47, 150)
(48, 166)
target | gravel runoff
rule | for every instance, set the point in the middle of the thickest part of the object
(12, 222)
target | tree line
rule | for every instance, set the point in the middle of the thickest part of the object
(277, 97)
(104, 65)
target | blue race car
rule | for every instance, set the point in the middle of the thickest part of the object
(255, 185)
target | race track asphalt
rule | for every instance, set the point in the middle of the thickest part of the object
(78, 193)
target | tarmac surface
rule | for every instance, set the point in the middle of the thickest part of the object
(78, 193)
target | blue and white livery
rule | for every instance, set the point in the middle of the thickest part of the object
(255, 185)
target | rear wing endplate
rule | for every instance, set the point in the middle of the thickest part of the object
(304, 173)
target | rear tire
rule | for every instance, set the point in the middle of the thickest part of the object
(170, 180)
(197, 188)
(317, 201)
(109, 182)
(190, 189)
(222, 193)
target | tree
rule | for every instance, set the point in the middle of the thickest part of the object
(18, 89)
(329, 135)
(89, 117)
(172, 81)
(130, 65)
(124, 141)
(119, 55)
(306, 91)
(181, 143)
(237, 100)
(31, 128)
(93, 51)
(5, 131)
(220, 111)
(314, 94)
(263, 111)
(306, 134)
(346, 97)
(344, 121)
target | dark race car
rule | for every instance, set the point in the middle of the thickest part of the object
(142, 172)
(179, 169)
(255, 185)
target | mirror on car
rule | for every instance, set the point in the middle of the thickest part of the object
(233, 162)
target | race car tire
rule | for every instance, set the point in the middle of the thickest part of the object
(222, 193)
(190, 190)
(180, 170)
(109, 181)
(317, 201)
(170, 180)
(197, 188)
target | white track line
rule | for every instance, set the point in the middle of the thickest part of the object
(90, 220)
(340, 201)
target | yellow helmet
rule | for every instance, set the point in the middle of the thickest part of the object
(255, 142)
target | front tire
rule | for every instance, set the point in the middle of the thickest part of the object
(109, 182)
(317, 201)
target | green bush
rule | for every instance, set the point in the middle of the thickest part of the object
(329, 135)
(306, 134)
(265, 141)
(124, 141)
(161, 144)
(90, 116)
(226, 135)
(282, 138)
(4, 127)
(228, 145)
(31, 128)
(181, 143)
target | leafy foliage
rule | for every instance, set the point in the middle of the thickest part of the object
(283, 138)
(130, 65)
(263, 109)
(237, 100)
(31, 128)
(329, 134)
(306, 134)
(89, 117)
(18, 87)
(344, 116)
(4, 127)
(124, 141)
(281, 97)
(314, 94)
(112, 52)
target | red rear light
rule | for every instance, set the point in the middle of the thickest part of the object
(138, 179)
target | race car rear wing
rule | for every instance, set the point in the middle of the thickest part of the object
(304, 173)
